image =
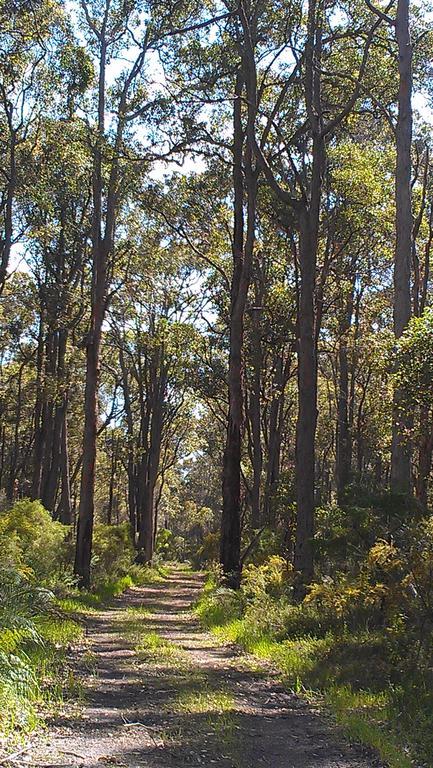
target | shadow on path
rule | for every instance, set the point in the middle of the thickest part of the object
(183, 701)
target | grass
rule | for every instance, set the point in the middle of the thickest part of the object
(344, 673)
(35, 676)
(38, 679)
(204, 701)
(152, 647)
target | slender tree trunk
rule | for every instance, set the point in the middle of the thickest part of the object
(231, 513)
(83, 551)
(11, 491)
(151, 464)
(51, 485)
(48, 408)
(400, 457)
(274, 439)
(307, 401)
(131, 468)
(255, 410)
(344, 457)
(65, 506)
(2, 454)
(111, 488)
(38, 450)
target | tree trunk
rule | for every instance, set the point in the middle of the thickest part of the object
(309, 221)
(7, 239)
(254, 409)
(400, 455)
(38, 449)
(101, 248)
(65, 506)
(51, 484)
(131, 468)
(83, 551)
(307, 400)
(344, 457)
(150, 464)
(274, 437)
(231, 512)
(11, 490)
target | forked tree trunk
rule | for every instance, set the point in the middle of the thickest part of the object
(104, 209)
(243, 247)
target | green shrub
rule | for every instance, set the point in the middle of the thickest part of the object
(113, 552)
(31, 540)
(220, 607)
(273, 577)
(208, 551)
(32, 638)
(168, 546)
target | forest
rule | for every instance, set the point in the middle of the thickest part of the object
(216, 371)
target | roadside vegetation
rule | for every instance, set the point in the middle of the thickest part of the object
(360, 642)
(42, 613)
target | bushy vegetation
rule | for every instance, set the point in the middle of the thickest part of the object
(41, 609)
(361, 639)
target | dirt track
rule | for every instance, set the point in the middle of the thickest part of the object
(195, 703)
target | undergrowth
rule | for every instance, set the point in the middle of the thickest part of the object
(360, 670)
(42, 613)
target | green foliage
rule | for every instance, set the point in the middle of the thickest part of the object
(31, 539)
(208, 551)
(168, 546)
(274, 577)
(414, 361)
(113, 553)
(33, 639)
(361, 638)
(220, 606)
(36, 628)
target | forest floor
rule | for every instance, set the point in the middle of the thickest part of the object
(158, 692)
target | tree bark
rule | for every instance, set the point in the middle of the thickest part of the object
(100, 249)
(65, 506)
(400, 454)
(243, 247)
(254, 406)
(307, 396)
(83, 551)
(38, 449)
(344, 443)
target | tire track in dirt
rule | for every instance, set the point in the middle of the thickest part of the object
(183, 700)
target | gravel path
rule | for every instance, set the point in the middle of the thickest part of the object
(185, 702)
